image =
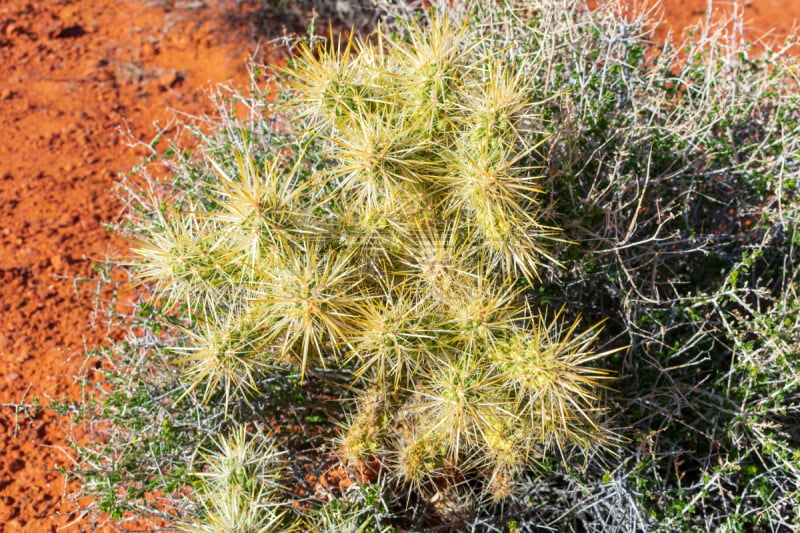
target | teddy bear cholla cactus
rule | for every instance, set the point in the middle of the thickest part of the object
(435, 134)
(401, 253)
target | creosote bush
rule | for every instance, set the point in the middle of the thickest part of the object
(546, 273)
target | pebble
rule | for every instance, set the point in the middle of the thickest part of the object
(56, 262)
(168, 79)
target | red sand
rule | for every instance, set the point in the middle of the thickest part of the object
(71, 73)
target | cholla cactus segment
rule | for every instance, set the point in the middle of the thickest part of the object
(553, 386)
(497, 197)
(374, 234)
(306, 298)
(241, 459)
(187, 257)
(481, 310)
(360, 512)
(506, 443)
(324, 78)
(514, 243)
(228, 351)
(394, 336)
(364, 431)
(451, 404)
(485, 179)
(501, 484)
(234, 512)
(434, 62)
(239, 487)
(377, 158)
(263, 208)
(338, 519)
(498, 109)
(435, 259)
(417, 457)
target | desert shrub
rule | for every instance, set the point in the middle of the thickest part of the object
(456, 226)
(672, 170)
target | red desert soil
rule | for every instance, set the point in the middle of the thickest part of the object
(72, 72)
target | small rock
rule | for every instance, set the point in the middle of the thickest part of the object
(68, 32)
(56, 262)
(149, 49)
(50, 27)
(69, 219)
(168, 79)
(6, 94)
(13, 376)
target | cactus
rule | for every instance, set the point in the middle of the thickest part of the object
(239, 487)
(405, 253)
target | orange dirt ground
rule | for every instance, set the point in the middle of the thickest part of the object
(72, 73)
